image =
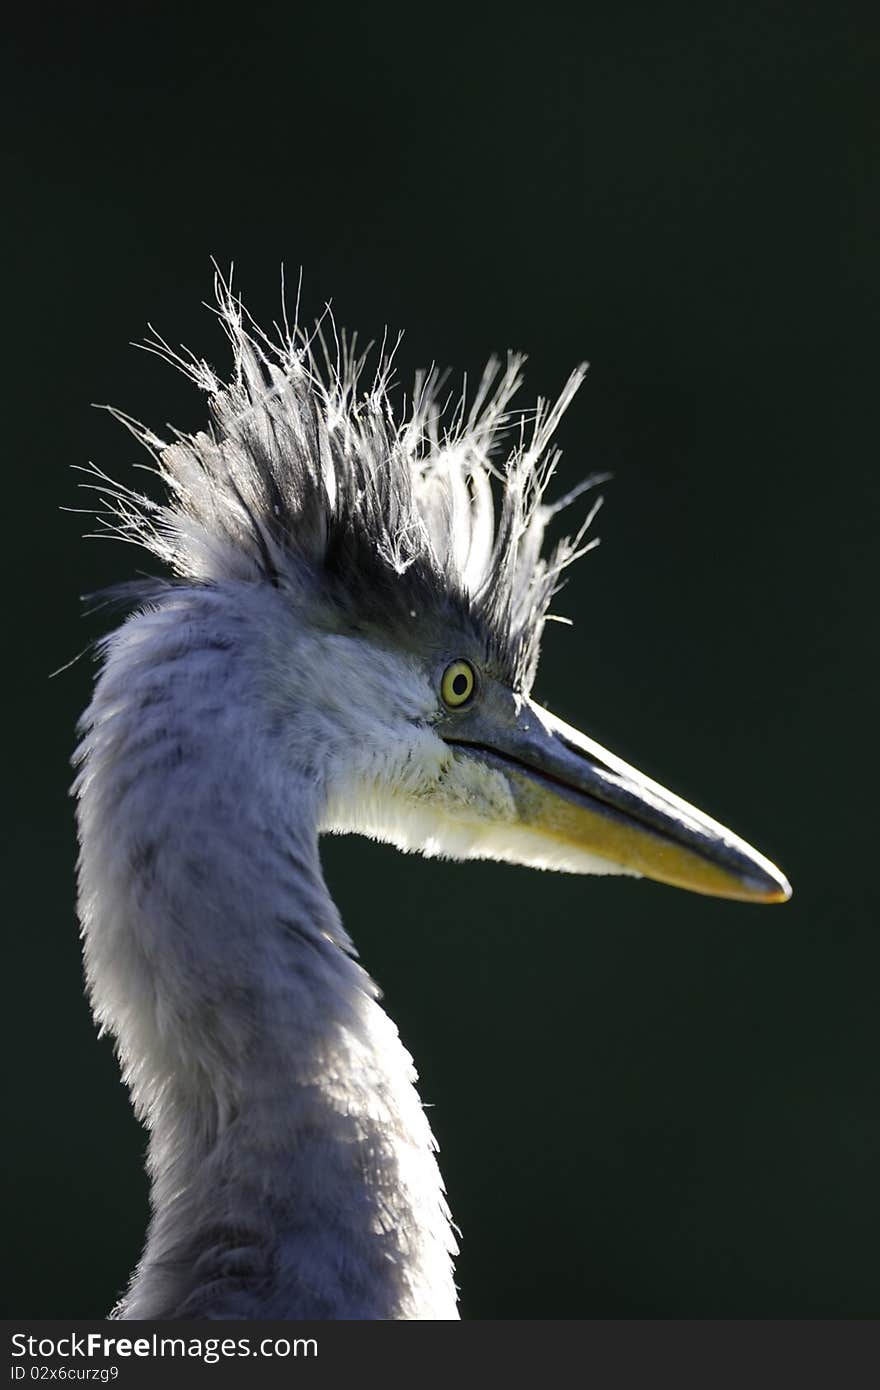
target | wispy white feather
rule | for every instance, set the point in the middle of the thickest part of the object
(308, 465)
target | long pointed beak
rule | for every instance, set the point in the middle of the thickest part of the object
(569, 788)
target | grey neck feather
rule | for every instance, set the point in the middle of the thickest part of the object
(292, 1168)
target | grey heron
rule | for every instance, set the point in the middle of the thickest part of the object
(346, 640)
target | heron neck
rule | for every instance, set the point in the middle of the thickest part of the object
(292, 1168)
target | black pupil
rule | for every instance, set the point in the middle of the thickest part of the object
(460, 683)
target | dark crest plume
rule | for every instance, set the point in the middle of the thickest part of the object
(307, 475)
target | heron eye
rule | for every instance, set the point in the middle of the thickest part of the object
(457, 685)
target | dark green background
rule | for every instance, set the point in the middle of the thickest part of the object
(648, 1103)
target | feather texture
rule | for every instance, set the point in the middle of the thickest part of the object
(306, 472)
(293, 1171)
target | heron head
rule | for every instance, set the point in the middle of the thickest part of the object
(414, 563)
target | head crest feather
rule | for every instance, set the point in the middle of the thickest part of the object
(305, 471)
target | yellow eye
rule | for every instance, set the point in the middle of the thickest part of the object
(457, 685)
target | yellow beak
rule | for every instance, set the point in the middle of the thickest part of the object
(567, 787)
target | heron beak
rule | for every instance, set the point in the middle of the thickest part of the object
(567, 787)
